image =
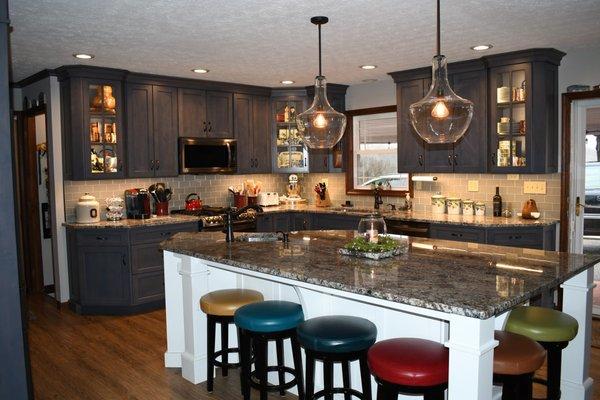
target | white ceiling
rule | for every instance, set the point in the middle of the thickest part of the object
(262, 42)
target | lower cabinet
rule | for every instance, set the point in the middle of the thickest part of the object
(458, 233)
(118, 270)
(335, 221)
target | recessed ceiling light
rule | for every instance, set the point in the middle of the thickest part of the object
(83, 56)
(482, 47)
(288, 82)
(200, 70)
(369, 80)
(368, 66)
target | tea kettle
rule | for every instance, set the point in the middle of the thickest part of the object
(87, 210)
(193, 202)
(529, 207)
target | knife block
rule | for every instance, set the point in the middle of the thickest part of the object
(323, 203)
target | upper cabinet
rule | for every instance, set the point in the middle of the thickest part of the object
(251, 126)
(92, 123)
(290, 154)
(152, 123)
(205, 113)
(515, 131)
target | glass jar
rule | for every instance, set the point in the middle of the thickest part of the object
(371, 227)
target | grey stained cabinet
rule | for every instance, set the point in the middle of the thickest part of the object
(152, 121)
(527, 139)
(118, 270)
(251, 126)
(205, 113)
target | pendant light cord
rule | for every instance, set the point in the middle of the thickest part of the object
(320, 72)
(438, 31)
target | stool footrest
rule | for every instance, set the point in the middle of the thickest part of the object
(254, 381)
(353, 392)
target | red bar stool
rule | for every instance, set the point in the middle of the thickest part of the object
(409, 366)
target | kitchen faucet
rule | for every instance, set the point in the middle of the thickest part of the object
(232, 213)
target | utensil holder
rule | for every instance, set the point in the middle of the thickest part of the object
(252, 200)
(240, 200)
(161, 208)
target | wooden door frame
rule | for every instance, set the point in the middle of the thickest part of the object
(567, 100)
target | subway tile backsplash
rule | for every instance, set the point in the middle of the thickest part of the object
(213, 190)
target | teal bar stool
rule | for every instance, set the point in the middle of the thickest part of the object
(550, 328)
(258, 324)
(337, 339)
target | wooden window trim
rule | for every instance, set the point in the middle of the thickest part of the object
(349, 136)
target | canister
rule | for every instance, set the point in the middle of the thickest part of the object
(453, 204)
(468, 207)
(438, 204)
(480, 209)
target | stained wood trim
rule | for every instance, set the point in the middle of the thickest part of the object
(349, 159)
(567, 100)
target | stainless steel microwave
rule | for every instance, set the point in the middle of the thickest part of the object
(207, 155)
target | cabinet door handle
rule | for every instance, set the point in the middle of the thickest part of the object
(420, 159)
(209, 126)
(456, 159)
(325, 161)
(256, 163)
(493, 159)
(151, 165)
(204, 122)
(123, 260)
(449, 159)
(157, 165)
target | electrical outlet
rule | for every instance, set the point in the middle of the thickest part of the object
(534, 187)
(512, 177)
(473, 186)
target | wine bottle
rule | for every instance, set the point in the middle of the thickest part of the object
(497, 203)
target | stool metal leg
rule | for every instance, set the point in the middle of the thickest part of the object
(210, 358)
(346, 379)
(245, 360)
(280, 363)
(386, 392)
(365, 376)
(328, 378)
(224, 348)
(437, 394)
(261, 366)
(310, 376)
(554, 364)
(298, 367)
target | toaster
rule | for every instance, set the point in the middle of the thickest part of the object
(268, 199)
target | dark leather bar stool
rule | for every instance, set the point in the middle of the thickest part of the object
(409, 366)
(337, 339)
(516, 358)
(258, 324)
(219, 307)
(550, 328)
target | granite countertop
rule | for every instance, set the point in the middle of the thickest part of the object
(135, 223)
(486, 221)
(470, 279)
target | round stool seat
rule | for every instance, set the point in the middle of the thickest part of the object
(542, 324)
(225, 302)
(269, 316)
(517, 354)
(409, 362)
(337, 334)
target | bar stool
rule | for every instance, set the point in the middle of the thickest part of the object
(516, 358)
(550, 328)
(219, 307)
(258, 324)
(409, 366)
(337, 339)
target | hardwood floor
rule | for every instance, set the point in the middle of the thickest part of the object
(84, 357)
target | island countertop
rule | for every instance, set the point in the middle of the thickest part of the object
(416, 216)
(474, 280)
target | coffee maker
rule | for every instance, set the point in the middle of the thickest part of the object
(137, 203)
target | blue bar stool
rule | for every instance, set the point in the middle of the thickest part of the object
(337, 339)
(258, 324)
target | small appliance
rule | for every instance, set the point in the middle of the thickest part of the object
(137, 203)
(266, 199)
(87, 210)
(207, 155)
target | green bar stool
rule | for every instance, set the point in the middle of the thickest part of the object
(550, 328)
(219, 307)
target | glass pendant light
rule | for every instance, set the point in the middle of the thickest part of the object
(441, 116)
(321, 127)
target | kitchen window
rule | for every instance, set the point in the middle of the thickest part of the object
(372, 139)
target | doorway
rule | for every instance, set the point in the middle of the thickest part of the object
(32, 185)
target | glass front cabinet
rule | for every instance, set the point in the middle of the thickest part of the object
(290, 154)
(92, 126)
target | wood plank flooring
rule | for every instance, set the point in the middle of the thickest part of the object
(98, 358)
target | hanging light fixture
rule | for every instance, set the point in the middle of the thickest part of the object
(321, 126)
(441, 116)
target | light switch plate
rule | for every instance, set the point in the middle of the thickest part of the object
(534, 187)
(473, 186)
(512, 177)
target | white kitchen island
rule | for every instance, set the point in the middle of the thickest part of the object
(450, 292)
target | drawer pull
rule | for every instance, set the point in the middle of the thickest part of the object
(165, 234)
(101, 238)
(456, 234)
(515, 237)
